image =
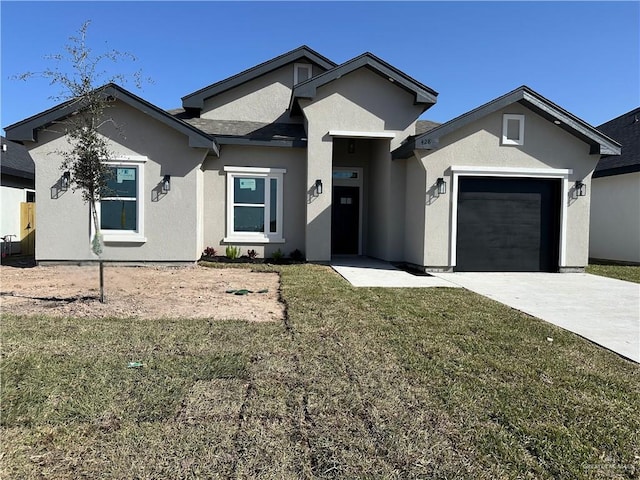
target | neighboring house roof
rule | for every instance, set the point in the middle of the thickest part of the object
(626, 130)
(196, 99)
(26, 130)
(308, 89)
(599, 142)
(15, 160)
(423, 126)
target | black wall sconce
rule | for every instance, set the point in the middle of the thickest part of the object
(442, 186)
(581, 189)
(351, 146)
(166, 183)
(318, 187)
(65, 181)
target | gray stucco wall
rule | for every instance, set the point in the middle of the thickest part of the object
(294, 195)
(415, 211)
(361, 101)
(170, 223)
(615, 218)
(479, 144)
(264, 99)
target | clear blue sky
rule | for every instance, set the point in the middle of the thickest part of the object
(584, 56)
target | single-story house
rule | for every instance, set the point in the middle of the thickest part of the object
(17, 198)
(615, 195)
(299, 153)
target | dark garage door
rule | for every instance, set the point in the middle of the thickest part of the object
(508, 224)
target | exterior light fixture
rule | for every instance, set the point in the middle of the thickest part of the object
(442, 186)
(581, 189)
(166, 183)
(65, 180)
(318, 187)
(351, 146)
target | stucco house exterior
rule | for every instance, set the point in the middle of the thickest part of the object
(17, 198)
(615, 198)
(301, 153)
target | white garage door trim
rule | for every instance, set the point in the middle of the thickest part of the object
(471, 171)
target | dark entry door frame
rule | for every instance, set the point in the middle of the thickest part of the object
(508, 172)
(350, 177)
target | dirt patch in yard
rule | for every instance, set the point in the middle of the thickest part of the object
(141, 292)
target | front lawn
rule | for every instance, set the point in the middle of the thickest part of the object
(356, 383)
(630, 273)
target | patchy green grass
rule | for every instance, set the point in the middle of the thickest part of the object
(630, 273)
(356, 383)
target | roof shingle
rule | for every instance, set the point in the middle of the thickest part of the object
(625, 129)
(16, 160)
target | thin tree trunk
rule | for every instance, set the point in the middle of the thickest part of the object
(94, 215)
(101, 281)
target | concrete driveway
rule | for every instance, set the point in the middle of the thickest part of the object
(603, 310)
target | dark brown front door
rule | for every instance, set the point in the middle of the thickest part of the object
(345, 220)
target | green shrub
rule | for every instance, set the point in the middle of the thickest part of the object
(277, 255)
(297, 255)
(232, 252)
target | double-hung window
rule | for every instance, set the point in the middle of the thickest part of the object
(121, 209)
(254, 204)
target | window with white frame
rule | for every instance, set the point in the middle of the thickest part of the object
(121, 207)
(512, 129)
(254, 204)
(301, 72)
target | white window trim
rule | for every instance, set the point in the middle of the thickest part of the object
(505, 121)
(256, 172)
(471, 171)
(306, 66)
(127, 236)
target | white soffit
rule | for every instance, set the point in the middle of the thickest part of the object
(350, 134)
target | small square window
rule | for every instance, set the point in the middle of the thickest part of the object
(512, 129)
(301, 72)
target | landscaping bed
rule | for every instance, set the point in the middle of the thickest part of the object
(142, 292)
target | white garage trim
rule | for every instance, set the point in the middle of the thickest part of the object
(471, 171)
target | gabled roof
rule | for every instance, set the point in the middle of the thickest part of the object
(196, 99)
(308, 89)
(626, 130)
(599, 142)
(15, 160)
(26, 130)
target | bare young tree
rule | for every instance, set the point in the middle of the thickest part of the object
(80, 75)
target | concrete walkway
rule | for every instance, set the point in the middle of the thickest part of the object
(603, 310)
(369, 272)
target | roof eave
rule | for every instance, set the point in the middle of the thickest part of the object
(15, 172)
(423, 95)
(196, 99)
(27, 129)
(609, 172)
(599, 143)
(249, 142)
